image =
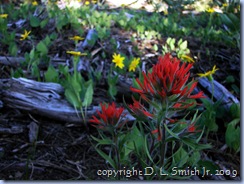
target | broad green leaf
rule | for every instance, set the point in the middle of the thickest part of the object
(88, 95)
(47, 40)
(207, 165)
(233, 135)
(75, 82)
(53, 36)
(13, 49)
(194, 158)
(51, 75)
(133, 138)
(41, 47)
(34, 21)
(32, 54)
(183, 45)
(180, 157)
(235, 110)
(44, 23)
(35, 71)
(72, 98)
(112, 91)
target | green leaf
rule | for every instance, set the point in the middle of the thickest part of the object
(47, 40)
(44, 23)
(170, 132)
(207, 165)
(32, 54)
(172, 44)
(194, 158)
(147, 150)
(53, 36)
(17, 73)
(106, 157)
(235, 111)
(180, 157)
(134, 138)
(194, 145)
(88, 95)
(13, 49)
(112, 90)
(233, 135)
(102, 141)
(34, 21)
(35, 71)
(155, 47)
(41, 47)
(72, 98)
(75, 82)
(51, 75)
(183, 45)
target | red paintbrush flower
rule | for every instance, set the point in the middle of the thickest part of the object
(138, 110)
(157, 131)
(192, 128)
(168, 77)
(110, 116)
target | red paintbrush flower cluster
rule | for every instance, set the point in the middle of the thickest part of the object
(167, 79)
(139, 111)
(109, 117)
(167, 86)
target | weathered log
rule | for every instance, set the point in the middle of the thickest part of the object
(17, 61)
(11, 61)
(219, 92)
(45, 99)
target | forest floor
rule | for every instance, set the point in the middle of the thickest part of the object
(63, 150)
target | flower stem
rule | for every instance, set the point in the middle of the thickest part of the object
(163, 144)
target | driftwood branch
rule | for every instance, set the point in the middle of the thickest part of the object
(220, 92)
(46, 99)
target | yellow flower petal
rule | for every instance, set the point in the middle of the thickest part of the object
(25, 35)
(118, 60)
(4, 16)
(188, 58)
(76, 38)
(76, 53)
(225, 5)
(209, 73)
(210, 10)
(134, 64)
(34, 3)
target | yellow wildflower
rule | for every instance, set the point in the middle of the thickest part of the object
(187, 58)
(76, 53)
(94, 1)
(34, 3)
(118, 60)
(87, 3)
(25, 35)
(225, 5)
(210, 10)
(209, 73)
(76, 38)
(134, 64)
(3, 15)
